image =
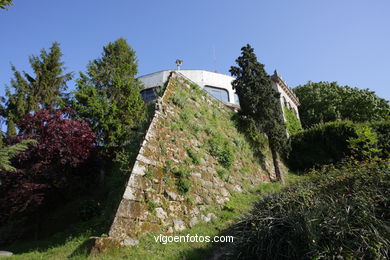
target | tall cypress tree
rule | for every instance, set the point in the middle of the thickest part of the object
(260, 101)
(108, 97)
(43, 89)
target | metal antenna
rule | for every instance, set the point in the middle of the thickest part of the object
(178, 63)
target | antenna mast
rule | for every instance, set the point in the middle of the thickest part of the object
(178, 64)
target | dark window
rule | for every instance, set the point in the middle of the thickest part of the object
(148, 94)
(218, 93)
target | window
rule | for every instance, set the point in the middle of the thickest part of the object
(148, 94)
(218, 93)
(236, 99)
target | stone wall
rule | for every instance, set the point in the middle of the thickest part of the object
(186, 119)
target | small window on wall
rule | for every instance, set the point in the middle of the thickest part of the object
(218, 93)
(148, 94)
(236, 99)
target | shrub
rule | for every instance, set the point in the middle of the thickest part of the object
(178, 101)
(365, 145)
(182, 182)
(194, 156)
(45, 168)
(337, 214)
(220, 149)
(332, 142)
(382, 129)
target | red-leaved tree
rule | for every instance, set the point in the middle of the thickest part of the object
(62, 145)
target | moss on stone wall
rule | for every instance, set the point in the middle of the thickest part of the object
(192, 160)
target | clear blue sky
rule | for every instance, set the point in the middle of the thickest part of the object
(331, 40)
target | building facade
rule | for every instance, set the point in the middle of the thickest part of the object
(217, 85)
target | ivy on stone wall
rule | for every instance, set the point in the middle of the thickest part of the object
(293, 124)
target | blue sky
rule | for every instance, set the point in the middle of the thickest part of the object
(345, 41)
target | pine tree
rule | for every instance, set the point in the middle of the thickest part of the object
(43, 90)
(5, 3)
(8, 152)
(108, 97)
(260, 101)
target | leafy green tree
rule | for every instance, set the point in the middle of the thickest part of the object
(108, 97)
(45, 89)
(5, 3)
(260, 101)
(327, 101)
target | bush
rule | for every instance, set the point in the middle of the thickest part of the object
(323, 144)
(337, 214)
(46, 167)
(194, 156)
(221, 150)
(182, 182)
(332, 142)
(382, 129)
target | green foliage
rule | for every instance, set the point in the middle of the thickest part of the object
(365, 145)
(332, 142)
(178, 101)
(8, 152)
(108, 97)
(221, 150)
(5, 3)
(11, 129)
(337, 214)
(194, 156)
(293, 124)
(44, 90)
(183, 183)
(382, 129)
(152, 205)
(260, 101)
(324, 102)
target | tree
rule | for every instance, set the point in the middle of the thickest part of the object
(108, 97)
(62, 142)
(327, 101)
(45, 168)
(5, 3)
(32, 92)
(8, 152)
(260, 101)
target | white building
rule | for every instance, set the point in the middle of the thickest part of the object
(217, 85)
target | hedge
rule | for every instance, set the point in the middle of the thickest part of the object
(331, 142)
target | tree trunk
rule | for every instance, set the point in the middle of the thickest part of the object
(278, 172)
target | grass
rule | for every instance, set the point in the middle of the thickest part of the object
(216, 135)
(148, 248)
(337, 213)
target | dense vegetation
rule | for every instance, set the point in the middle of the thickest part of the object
(260, 102)
(51, 154)
(293, 124)
(327, 101)
(332, 142)
(336, 214)
(109, 98)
